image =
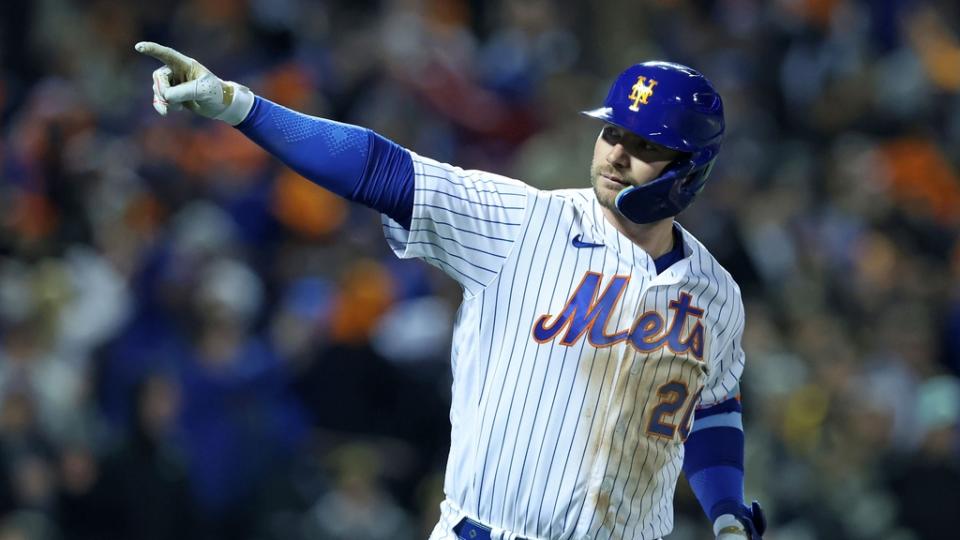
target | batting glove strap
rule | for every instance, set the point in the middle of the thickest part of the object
(240, 102)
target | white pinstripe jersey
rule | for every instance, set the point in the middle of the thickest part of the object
(576, 366)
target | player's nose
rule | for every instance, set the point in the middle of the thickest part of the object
(618, 156)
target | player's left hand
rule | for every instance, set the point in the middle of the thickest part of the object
(749, 523)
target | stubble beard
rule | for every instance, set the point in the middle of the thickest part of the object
(605, 196)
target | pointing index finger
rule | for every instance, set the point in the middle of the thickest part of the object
(173, 58)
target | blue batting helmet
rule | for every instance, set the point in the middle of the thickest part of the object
(674, 106)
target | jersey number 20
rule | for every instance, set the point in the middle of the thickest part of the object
(673, 397)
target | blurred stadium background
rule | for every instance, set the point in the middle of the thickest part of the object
(195, 343)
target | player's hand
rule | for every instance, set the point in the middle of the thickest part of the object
(749, 523)
(184, 82)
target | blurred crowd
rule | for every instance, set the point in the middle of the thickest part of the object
(196, 343)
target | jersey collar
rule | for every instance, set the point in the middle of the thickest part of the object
(635, 256)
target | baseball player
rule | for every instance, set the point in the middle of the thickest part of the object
(597, 350)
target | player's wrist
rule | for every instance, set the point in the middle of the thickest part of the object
(240, 101)
(743, 522)
(728, 527)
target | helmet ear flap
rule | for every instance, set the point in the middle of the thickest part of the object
(684, 170)
(697, 178)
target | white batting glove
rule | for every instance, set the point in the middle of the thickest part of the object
(728, 527)
(184, 82)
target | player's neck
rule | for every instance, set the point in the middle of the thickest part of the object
(654, 238)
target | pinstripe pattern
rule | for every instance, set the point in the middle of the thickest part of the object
(553, 441)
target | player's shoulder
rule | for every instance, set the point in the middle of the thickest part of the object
(717, 291)
(429, 168)
(579, 199)
(704, 264)
(578, 205)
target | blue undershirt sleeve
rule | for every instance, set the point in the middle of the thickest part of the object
(713, 459)
(351, 161)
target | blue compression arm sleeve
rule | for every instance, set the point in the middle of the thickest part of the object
(351, 161)
(713, 460)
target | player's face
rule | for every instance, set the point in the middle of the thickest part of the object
(622, 159)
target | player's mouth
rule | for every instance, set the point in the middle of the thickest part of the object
(615, 179)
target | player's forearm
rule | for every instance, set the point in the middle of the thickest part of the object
(351, 161)
(713, 460)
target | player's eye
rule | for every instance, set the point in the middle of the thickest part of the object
(648, 151)
(647, 146)
(611, 135)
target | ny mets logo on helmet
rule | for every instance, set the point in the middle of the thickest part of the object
(641, 92)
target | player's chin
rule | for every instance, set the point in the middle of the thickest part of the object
(606, 195)
(607, 188)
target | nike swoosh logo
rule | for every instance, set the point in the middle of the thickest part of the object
(577, 243)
